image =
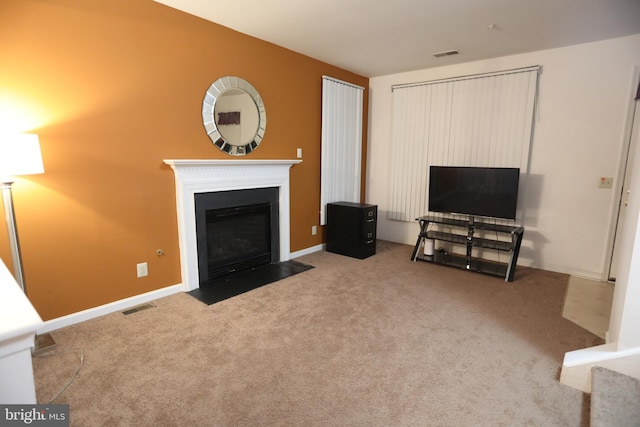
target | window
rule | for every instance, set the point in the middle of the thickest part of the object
(480, 120)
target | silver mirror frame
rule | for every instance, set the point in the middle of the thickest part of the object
(208, 115)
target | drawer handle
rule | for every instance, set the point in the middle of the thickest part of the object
(370, 213)
(370, 220)
(369, 241)
(369, 235)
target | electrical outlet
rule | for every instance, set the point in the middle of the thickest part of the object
(314, 230)
(299, 153)
(143, 269)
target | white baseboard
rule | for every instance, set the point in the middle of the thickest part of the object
(112, 307)
(133, 301)
(307, 251)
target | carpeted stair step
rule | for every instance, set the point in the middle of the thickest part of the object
(615, 399)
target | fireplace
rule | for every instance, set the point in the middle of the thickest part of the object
(195, 177)
(236, 230)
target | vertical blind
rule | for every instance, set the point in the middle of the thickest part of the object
(341, 143)
(481, 120)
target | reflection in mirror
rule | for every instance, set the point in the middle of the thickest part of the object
(234, 116)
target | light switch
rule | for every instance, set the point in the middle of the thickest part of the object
(605, 182)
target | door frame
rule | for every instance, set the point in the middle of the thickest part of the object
(622, 173)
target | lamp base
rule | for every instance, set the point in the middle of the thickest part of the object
(43, 343)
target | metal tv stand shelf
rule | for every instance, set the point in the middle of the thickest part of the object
(473, 233)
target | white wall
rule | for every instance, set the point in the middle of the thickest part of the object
(621, 353)
(578, 137)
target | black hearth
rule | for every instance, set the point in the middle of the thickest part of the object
(237, 234)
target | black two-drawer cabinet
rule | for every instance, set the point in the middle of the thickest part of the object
(351, 229)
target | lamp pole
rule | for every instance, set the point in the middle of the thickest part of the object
(12, 231)
(20, 155)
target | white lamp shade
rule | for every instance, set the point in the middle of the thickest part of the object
(20, 155)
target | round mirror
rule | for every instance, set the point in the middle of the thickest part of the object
(234, 116)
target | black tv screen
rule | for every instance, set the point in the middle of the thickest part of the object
(476, 191)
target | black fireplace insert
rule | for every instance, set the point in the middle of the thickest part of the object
(236, 230)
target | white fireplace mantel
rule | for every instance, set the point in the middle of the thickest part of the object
(205, 176)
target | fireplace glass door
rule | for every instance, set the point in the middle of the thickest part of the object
(237, 238)
(236, 230)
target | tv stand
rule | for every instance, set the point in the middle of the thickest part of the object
(475, 235)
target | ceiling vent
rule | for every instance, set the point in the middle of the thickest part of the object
(446, 53)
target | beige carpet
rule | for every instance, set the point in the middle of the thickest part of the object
(615, 399)
(375, 342)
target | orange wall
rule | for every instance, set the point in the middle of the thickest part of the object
(113, 88)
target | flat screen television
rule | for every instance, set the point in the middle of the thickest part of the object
(475, 191)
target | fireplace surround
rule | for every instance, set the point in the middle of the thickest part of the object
(205, 176)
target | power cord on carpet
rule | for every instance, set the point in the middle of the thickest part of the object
(75, 374)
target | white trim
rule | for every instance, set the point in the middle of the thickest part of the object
(307, 251)
(112, 307)
(583, 274)
(625, 162)
(204, 176)
(19, 321)
(120, 305)
(576, 367)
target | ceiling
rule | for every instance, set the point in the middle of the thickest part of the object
(387, 37)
